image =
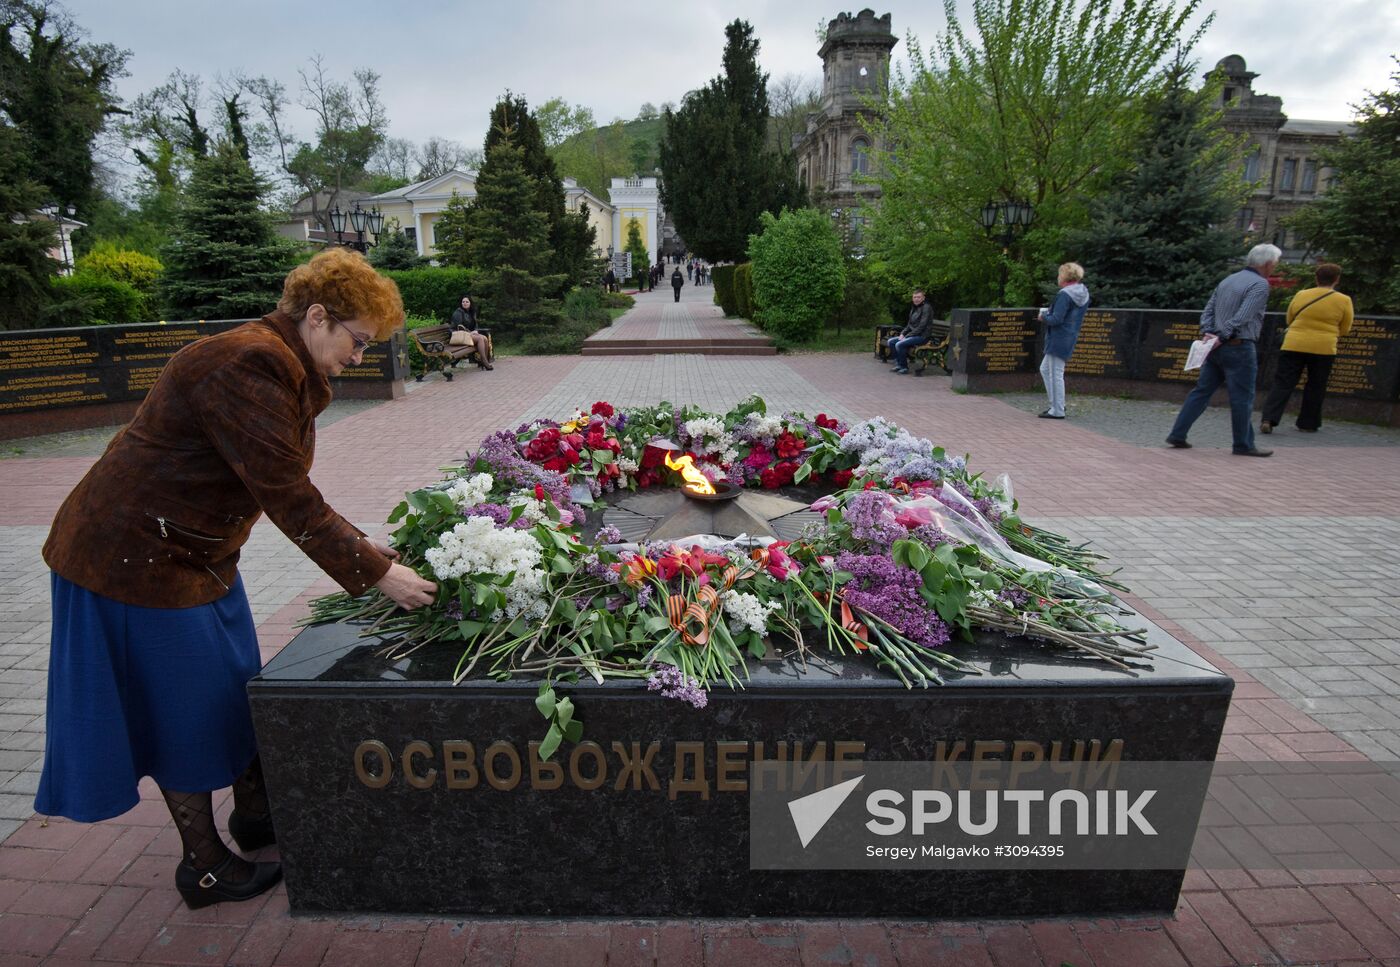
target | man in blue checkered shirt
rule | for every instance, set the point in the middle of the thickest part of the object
(1234, 314)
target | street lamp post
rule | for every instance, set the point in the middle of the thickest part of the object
(360, 222)
(1012, 217)
(58, 215)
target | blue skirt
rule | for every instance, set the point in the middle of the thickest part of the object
(136, 691)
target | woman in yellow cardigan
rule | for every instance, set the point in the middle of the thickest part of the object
(1317, 318)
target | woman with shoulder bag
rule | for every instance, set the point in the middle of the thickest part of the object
(464, 332)
(1317, 318)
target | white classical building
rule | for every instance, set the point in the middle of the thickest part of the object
(417, 207)
(636, 198)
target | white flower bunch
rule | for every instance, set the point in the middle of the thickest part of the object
(476, 546)
(470, 491)
(766, 428)
(729, 456)
(709, 435)
(747, 612)
(627, 465)
(531, 510)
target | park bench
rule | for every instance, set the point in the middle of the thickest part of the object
(435, 345)
(933, 351)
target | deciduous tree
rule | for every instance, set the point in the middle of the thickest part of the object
(1034, 99)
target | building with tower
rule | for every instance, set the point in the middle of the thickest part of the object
(835, 151)
(1280, 156)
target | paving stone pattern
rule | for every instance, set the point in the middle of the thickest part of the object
(1281, 571)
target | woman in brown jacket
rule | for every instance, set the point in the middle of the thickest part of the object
(153, 641)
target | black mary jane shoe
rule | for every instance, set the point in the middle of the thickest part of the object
(251, 834)
(200, 888)
(485, 366)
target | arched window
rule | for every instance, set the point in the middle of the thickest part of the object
(860, 157)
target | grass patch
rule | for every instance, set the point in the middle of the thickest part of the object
(614, 313)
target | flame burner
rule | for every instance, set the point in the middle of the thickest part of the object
(723, 492)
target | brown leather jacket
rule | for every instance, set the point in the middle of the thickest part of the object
(227, 432)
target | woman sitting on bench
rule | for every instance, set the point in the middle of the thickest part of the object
(464, 321)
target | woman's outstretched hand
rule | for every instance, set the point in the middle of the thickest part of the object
(405, 587)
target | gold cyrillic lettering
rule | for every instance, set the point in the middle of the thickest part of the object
(459, 764)
(695, 752)
(544, 775)
(637, 765)
(847, 765)
(593, 749)
(416, 748)
(945, 753)
(781, 750)
(802, 769)
(725, 764)
(488, 764)
(386, 769)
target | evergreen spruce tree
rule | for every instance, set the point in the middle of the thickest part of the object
(512, 120)
(394, 250)
(1162, 235)
(508, 245)
(1357, 222)
(25, 265)
(717, 174)
(452, 230)
(224, 260)
(641, 259)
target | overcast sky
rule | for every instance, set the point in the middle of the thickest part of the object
(443, 63)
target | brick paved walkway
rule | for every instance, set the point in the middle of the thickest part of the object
(1281, 571)
(660, 324)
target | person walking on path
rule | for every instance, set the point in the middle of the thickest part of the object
(1062, 321)
(1234, 315)
(690, 270)
(916, 332)
(153, 641)
(677, 282)
(464, 320)
(1317, 318)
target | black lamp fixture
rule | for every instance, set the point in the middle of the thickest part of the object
(361, 221)
(1004, 221)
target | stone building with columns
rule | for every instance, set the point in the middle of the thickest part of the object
(1280, 156)
(835, 151)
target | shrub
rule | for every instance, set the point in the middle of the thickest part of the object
(136, 269)
(743, 289)
(866, 301)
(799, 275)
(563, 340)
(432, 292)
(90, 300)
(618, 300)
(586, 305)
(722, 277)
(106, 261)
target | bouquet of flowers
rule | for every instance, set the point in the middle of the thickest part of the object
(915, 554)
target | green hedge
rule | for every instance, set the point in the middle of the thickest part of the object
(432, 292)
(84, 299)
(743, 289)
(722, 276)
(417, 362)
(618, 300)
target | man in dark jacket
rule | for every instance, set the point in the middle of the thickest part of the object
(676, 282)
(917, 331)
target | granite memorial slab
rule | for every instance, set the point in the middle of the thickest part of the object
(395, 791)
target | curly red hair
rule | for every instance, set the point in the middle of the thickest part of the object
(347, 285)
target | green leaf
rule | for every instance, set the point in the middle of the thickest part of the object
(515, 513)
(421, 501)
(545, 700)
(398, 512)
(656, 623)
(550, 743)
(603, 457)
(574, 730)
(469, 629)
(443, 501)
(563, 711)
(803, 472)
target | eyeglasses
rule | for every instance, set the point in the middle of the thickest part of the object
(361, 343)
